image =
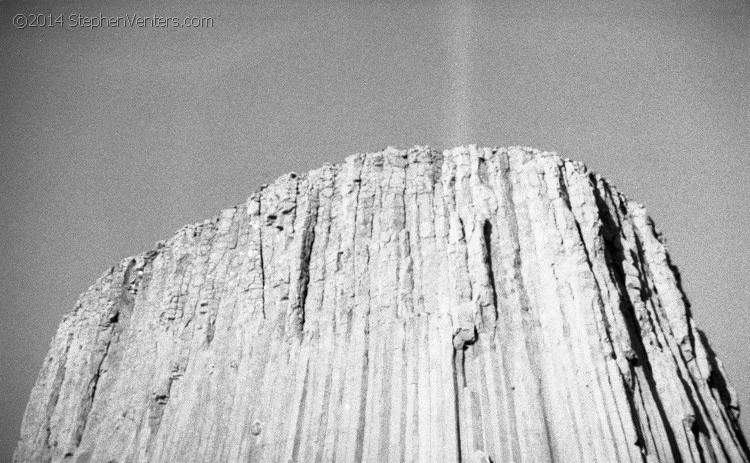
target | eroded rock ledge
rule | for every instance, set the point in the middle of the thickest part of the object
(473, 305)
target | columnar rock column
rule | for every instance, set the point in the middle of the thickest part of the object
(478, 305)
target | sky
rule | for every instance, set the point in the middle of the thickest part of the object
(113, 138)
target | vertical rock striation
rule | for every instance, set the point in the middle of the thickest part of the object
(479, 305)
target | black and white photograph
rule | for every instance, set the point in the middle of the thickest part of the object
(460, 231)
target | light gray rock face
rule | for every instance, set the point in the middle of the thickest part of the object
(478, 305)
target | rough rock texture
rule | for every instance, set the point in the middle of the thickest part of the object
(477, 305)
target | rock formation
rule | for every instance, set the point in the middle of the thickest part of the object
(479, 305)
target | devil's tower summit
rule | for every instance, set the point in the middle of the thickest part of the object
(475, 305)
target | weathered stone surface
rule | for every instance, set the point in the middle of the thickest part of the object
(476, 305)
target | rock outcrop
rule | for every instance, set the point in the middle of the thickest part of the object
(479, 305)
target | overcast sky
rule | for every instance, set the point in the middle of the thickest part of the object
(112, 138)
